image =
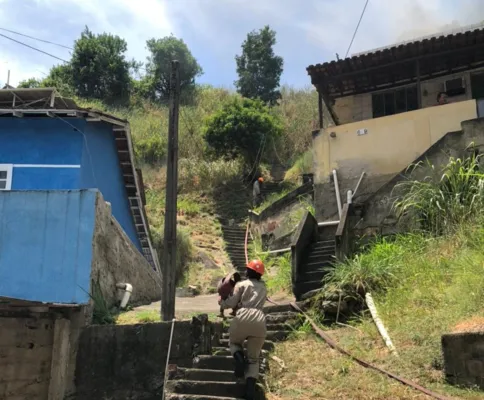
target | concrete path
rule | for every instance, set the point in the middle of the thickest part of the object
(206, 304)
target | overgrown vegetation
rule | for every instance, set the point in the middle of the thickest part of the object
(424, 284)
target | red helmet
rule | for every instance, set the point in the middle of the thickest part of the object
(257, 266)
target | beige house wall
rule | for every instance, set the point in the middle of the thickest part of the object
(390, 143)
(359, 107)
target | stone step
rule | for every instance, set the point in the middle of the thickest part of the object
(205, 388)
(304, 287)
(277, 309)
(177, 396)
(315, 275)
(220, 363)
(315, 265)
(323, 246)
(273, 336)
(268, 345)
(316, 256)
(282, 317)
(195, 374)
(225, 351)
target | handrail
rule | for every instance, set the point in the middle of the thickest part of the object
(306, 231)
(365, 364)
(246, 244)
(338, 194)
(343, 234)
(168, 357)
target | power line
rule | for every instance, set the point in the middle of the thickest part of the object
(35, 38)
(356, 30)
(34, 48)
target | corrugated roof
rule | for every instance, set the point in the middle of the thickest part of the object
(396, 66)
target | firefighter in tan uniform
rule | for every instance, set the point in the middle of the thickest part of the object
(249, 324)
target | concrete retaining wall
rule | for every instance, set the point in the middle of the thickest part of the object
(128, 361)
(115, 259)
(464, 358)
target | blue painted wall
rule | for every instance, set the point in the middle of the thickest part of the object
(101, 169)
(52, 141)
(46, 245)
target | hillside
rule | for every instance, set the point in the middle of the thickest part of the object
(423, 286)
(201, 176)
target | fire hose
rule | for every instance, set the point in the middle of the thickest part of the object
(335, 346)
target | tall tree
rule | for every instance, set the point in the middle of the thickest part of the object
(158, 67)
(259, 69)
(99, 68)
(240, 128)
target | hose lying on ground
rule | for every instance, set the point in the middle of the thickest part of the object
(379, 324)
(333, 345)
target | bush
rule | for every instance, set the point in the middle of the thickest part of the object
(442, 201)
(241, 128)
(151, 150)
(184, 250)
(376, 269)
(303, 165)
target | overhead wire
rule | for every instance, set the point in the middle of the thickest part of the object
(34, 48)
(357, 27)
(36, 38)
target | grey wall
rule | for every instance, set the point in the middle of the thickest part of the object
(128, 361)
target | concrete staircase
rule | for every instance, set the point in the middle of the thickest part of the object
(234, 237)
(321, 255)
(212, 376)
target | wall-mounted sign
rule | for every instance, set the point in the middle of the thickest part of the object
(363, 131)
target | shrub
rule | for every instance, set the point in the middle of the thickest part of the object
(241, 128)
(303, 165)
(184, 250)
(443, 201)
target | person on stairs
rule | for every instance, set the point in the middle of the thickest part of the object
(249, 324)
(225, 288)
(256, 192)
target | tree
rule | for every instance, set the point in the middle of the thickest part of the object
(99, 68)
(241, 128)
(60, 77)
(259, 69)
(163, 52)
(30, 83)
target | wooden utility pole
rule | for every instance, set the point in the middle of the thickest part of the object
(169, 253)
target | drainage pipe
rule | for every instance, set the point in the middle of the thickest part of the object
(338, 196)
(358, 184)
(128, 289)
(328, 223)
(168, 358)
(349, 196)
(379, 324)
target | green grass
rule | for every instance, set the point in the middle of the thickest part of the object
(423, 286)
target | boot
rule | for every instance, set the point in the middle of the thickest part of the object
(250, 386)
(239, 364)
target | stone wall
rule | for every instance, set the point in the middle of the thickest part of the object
(37, 358)
(379, 216)
(115, 259)
(464, 358)
(276, 223)
(128, 361)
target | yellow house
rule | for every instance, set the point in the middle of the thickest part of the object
(389, 106)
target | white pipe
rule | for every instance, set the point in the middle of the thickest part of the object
(168, 357)
(128, 289)
(349, 196)
(338, 196)
(328, 223)
(379, 323)
(277, 251)
(358, 184)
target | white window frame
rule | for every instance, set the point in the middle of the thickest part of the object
(9, 169)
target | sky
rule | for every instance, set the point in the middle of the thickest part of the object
(308, 31)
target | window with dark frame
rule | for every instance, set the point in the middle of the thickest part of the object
(5, 176)
(395, 101)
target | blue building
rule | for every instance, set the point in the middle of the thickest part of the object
(49, 143)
